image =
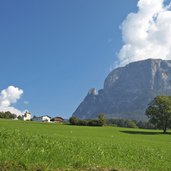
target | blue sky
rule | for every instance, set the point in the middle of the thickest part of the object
(55, 51)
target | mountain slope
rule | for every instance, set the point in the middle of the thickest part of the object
(128, 90)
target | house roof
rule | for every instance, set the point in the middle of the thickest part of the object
(55, 118)
(58, 117)
(46, 115)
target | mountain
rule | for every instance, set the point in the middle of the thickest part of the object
(128, 90)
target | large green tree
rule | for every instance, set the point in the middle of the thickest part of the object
(159, 112)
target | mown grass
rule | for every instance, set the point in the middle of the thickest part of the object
(43, 146)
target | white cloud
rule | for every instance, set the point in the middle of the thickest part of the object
(9, 96)
(12, 110)
(146, 33)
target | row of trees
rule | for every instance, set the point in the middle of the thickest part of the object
(130, 123)
(94, 122)
(7, 115)
(158, 112)
(112, 122)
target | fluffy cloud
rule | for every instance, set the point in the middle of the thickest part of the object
(12, 110)
(147, 33)
(9, 96)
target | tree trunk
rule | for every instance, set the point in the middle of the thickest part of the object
(164, 131)
(165, 128)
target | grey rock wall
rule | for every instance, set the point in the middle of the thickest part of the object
(128, 90)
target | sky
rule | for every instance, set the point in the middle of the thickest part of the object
(53, 52)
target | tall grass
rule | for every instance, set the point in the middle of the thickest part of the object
(38, 146)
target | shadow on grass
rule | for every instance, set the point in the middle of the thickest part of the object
(145, 132)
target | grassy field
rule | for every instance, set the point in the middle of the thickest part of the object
(47, 146)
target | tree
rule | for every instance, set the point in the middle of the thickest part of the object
(102, 119)
(19, 117)
(73, 120)
(159, 112)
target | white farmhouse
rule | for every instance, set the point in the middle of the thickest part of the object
(44, 118)
(26, 116)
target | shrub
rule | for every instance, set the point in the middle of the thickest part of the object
(73, 120)
(94, 122)
(83, 122)
(131, 124)
(19, 117)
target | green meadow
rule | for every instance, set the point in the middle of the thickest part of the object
(48, 146)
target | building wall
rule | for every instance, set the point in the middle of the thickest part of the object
(41, 119)
(46, 118)
(58, 120)
(37, 119)
(27, 117)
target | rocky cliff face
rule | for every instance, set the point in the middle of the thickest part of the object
(128, 90)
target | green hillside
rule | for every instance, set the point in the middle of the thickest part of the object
(49, 146)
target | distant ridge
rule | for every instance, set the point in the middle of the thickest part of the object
(128, 90)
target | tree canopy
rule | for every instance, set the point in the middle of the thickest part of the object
(90, 122)
(7, 115)
(159, 112)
